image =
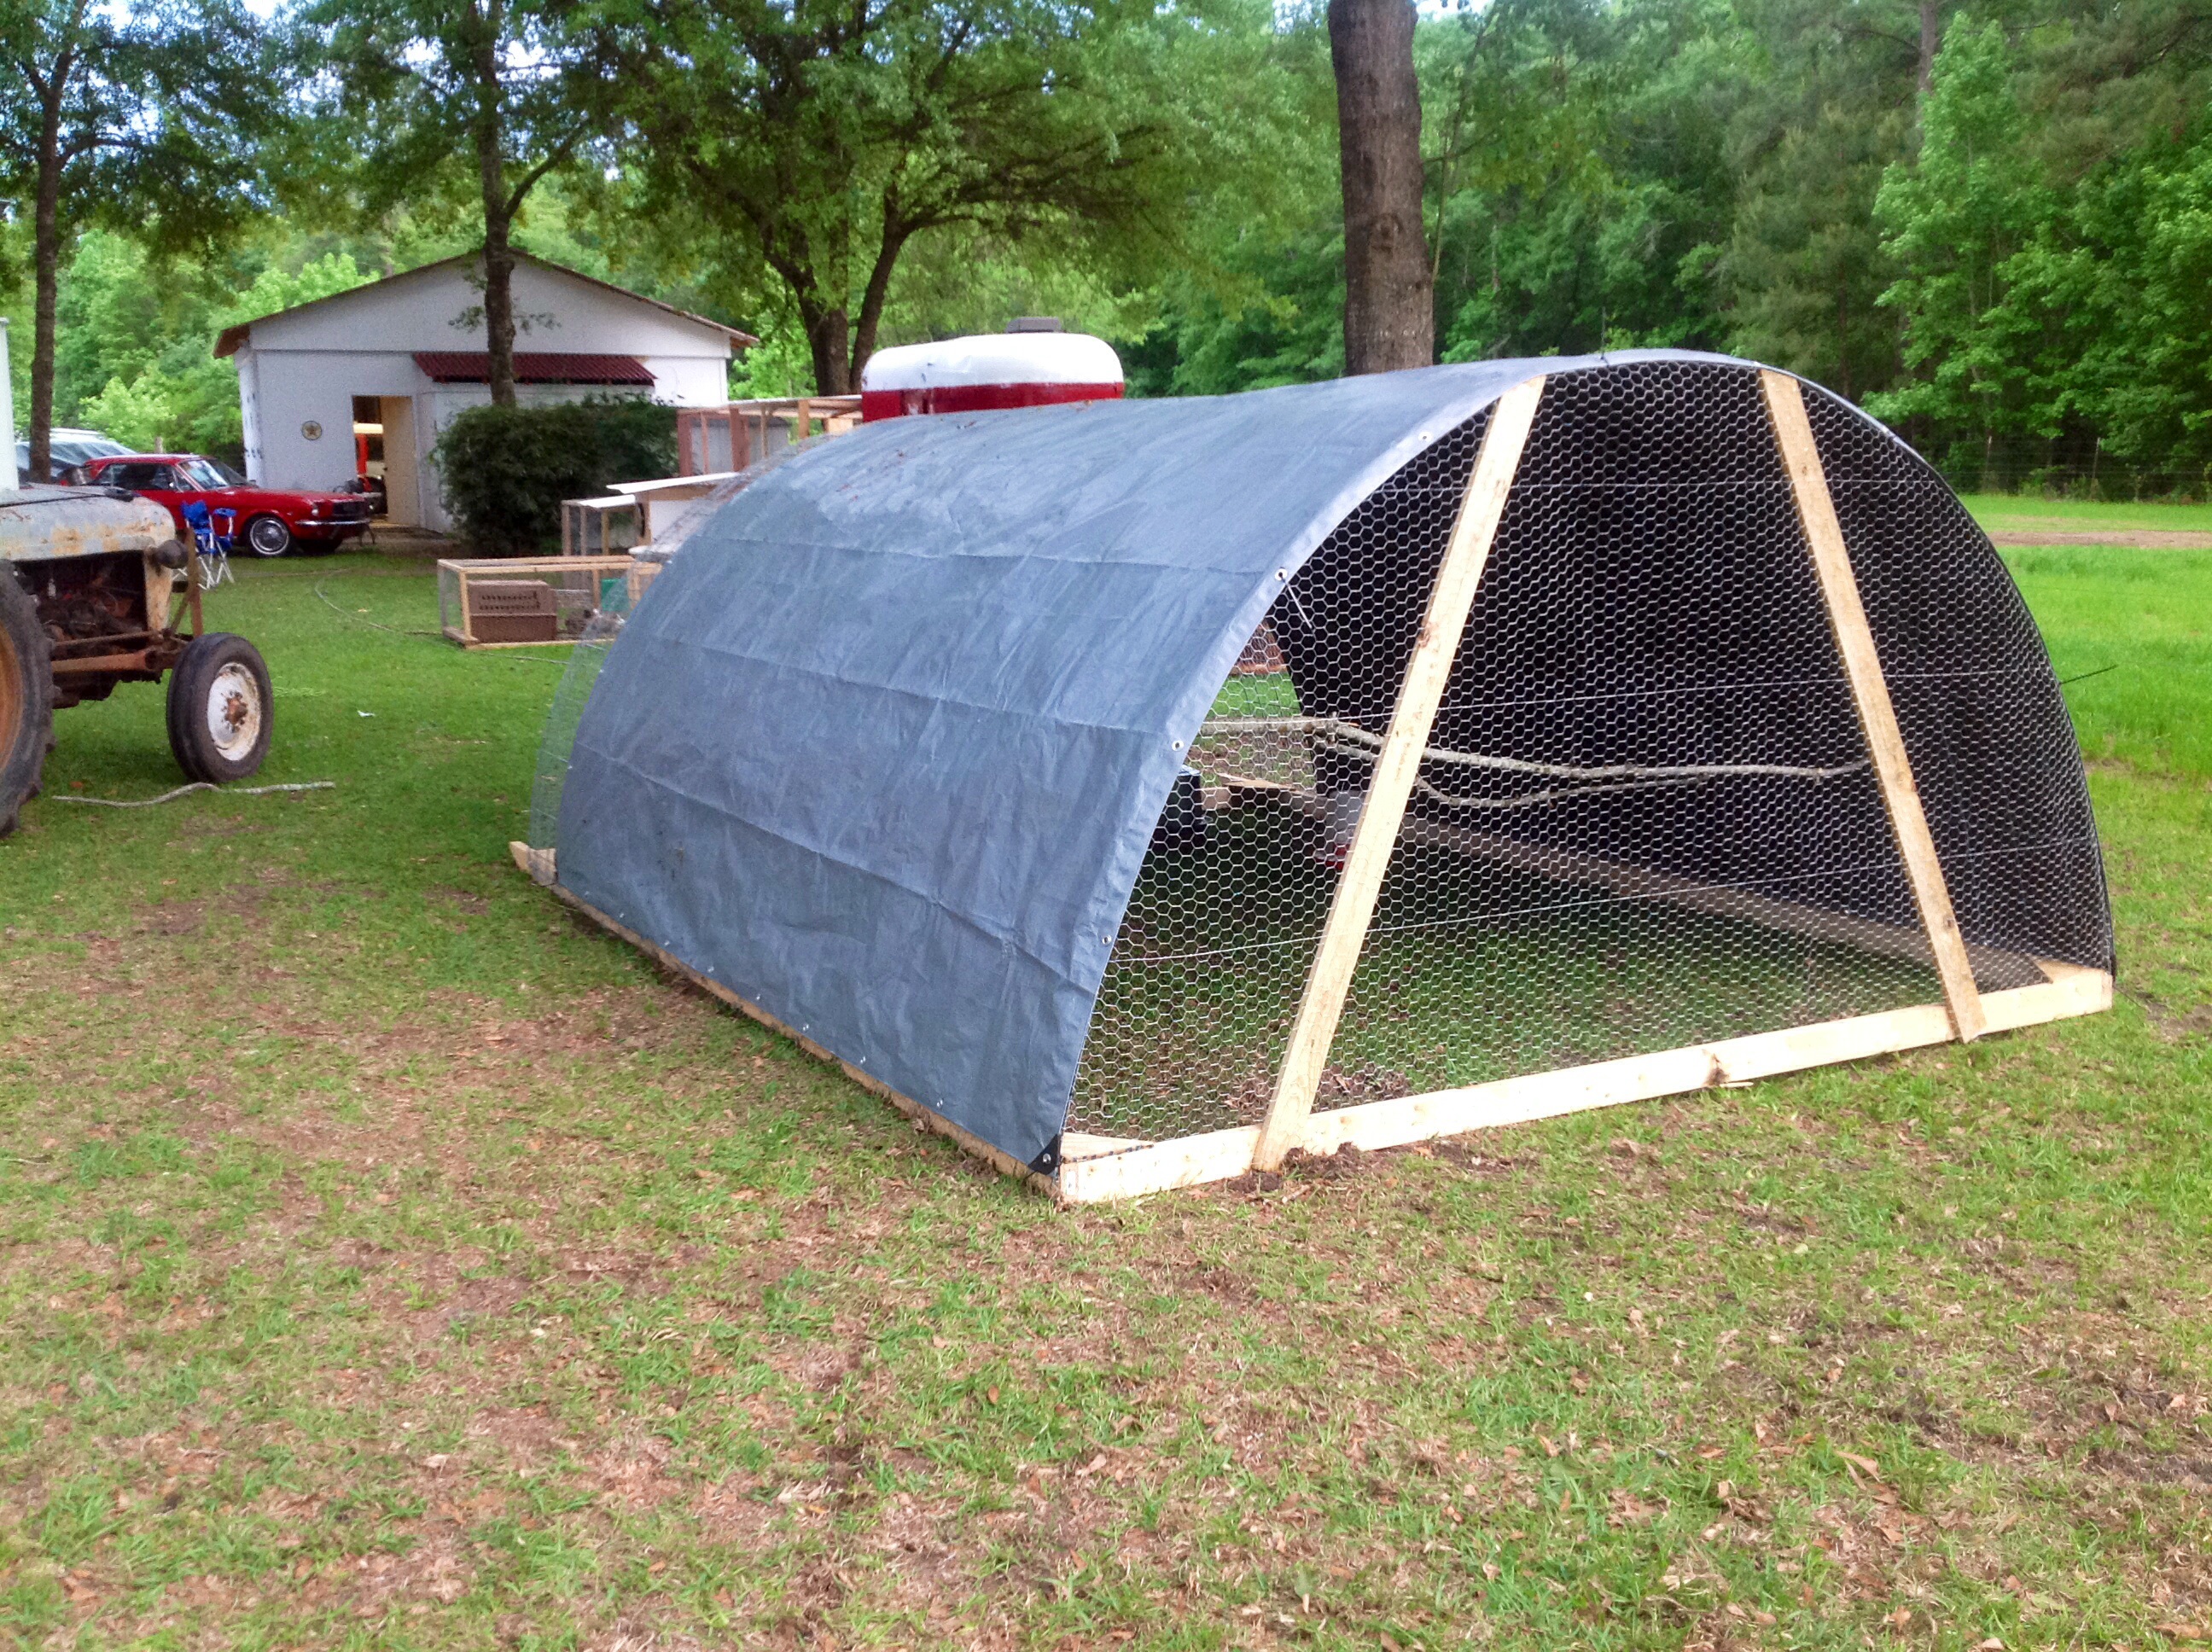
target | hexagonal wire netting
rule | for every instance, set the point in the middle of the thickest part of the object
(1646, 818)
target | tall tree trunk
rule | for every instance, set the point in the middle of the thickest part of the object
(46, 260)
(1931, 36)
(499, 311)
(1389, 305)
(499, 219)
(870, 320)
(829, 341)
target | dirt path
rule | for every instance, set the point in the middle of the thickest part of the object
(2129, 539)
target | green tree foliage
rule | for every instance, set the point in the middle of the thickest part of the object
(1991, 223)
(818, 140)
(134, 357)
(1954, 221)
(1831, 103)
(505, 470)
(1584, 178)
(479, 102)
(2146, 365)
(1271, 312)
(2052, 240)
(145, 116)
(1804, 264)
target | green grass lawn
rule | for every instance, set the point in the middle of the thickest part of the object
(2132, 632)
(388, 1261)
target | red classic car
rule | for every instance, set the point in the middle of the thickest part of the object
(268, 521)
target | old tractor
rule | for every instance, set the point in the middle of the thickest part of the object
(96, 589)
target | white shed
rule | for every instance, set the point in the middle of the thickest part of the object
(361, 382)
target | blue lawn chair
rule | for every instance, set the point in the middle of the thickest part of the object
(213, 533)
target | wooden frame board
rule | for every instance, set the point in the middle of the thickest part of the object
(1816, 514)
(1129, 1173)
(1397, 766)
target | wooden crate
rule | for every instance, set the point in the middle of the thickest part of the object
(512, 611)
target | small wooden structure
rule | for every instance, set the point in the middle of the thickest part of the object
(606, 525)
(577, 584)
(660, 502)
(741, 434)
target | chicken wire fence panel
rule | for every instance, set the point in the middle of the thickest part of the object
(1994, 753)
(558, 739)
(451, 613)
(1646, 819)
(1222, 927)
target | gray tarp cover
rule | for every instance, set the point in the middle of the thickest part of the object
(885, 749)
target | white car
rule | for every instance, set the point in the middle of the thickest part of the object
(70, 448)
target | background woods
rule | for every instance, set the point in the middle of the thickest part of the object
(1991, 225)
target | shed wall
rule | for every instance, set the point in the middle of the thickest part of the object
(304, 367)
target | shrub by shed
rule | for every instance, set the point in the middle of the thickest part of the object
(1146, 790)
(506, 470)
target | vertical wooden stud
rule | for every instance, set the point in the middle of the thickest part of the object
(1816, 511)
(1396, 768)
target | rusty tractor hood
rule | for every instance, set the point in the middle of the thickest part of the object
(40, 525)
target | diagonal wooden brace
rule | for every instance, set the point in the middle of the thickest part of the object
(1396, 768)
(1816, 511)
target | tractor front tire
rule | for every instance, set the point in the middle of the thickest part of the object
(27, 698)
(219, 706)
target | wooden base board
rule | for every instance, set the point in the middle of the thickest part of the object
(1224, 1153)
(1096, 1169)
(469, 642)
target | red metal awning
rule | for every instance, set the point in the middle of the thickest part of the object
(533, 367)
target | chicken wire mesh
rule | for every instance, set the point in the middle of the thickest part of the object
(597, 630)
(1646, 817)
(1993, 748)
(559, 738)
(1222, 927)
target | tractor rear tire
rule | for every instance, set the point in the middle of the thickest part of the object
(27, 698)
(220, 706)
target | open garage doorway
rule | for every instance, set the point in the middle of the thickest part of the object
(384, 452)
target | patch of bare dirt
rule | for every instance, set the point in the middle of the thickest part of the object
(1343, 1086)
(2125, 539)
(631, 1470)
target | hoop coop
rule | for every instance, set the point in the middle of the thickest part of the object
(1144, 791)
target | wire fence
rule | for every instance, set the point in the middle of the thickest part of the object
(1645, 817)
